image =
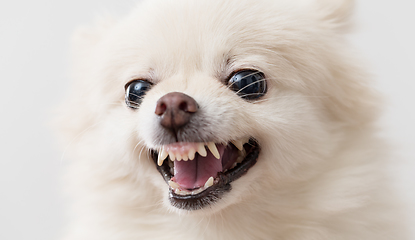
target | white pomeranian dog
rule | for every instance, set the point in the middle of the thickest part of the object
(236, 119)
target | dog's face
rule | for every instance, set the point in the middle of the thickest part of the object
(207, 103)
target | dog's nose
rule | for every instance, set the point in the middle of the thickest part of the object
(175, 110)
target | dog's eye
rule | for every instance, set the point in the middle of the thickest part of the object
(135, 91)
(248, 84)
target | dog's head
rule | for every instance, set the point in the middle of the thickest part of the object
(205, 103)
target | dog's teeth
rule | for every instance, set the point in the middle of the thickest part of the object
(239, 159)
(162, 155)
(160, 161)
(172, 157)
(213, 149)
(180, 192)
(171, 164)
(197, 191)
(185, 157)
(202, 150)
(178, 157)
(192, 153)
(242, 153)
(238, 144)
(174, 185)
(209, 182)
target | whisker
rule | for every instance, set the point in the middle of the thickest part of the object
(263, 80)
(135, 147)
(140, 152)
(249, 75)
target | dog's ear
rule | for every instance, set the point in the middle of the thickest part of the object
(335, 14)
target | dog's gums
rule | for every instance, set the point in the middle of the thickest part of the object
(196, 177)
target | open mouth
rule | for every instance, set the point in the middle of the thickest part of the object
(198, 174)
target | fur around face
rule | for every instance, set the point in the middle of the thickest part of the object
(320, 174)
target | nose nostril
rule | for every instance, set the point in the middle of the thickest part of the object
(161, 108)
(183, 106)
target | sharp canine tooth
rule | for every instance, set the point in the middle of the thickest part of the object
(172, 157)
(162, 155)
(238, 144)
(174, 185)
(209, 182)
(239, 159)
(198, 191)
(192, 153)
(202, 150)
(212, 147)
(242, 154)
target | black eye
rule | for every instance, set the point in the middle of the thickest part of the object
(135, 91)
(248, 84)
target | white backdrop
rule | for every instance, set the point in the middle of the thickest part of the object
(34, 38)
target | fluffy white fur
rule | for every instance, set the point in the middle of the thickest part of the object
(320, 174)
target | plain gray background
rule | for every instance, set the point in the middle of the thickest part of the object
(34, 43)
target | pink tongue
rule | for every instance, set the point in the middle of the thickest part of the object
(194, 173)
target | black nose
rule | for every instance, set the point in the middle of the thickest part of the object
(175, 110)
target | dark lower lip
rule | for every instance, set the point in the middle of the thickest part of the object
(222, 182)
